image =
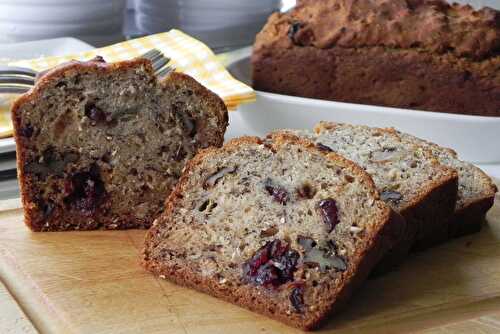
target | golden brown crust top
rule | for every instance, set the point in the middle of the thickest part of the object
(431, 25)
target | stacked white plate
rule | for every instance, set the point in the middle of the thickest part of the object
(219, 23)
(95, 21)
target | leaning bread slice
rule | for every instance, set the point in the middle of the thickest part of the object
(408, 178)
(476, 190)
(277, 226)
(100, 145)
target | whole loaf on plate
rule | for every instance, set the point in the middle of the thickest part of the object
(417, 54)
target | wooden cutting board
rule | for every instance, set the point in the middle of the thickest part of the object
(90, 282)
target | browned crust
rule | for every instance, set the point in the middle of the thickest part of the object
(67, 69)
(433, 212)
(470, 217)
(462, 31)
(429, 212)
(247, 296)
(375, 75)
(427, 215)
(177, 79)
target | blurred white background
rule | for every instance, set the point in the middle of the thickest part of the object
(219, 23)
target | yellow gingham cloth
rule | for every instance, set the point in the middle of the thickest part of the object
(5, 121)
(188, 55)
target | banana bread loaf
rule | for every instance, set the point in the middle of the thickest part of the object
(418, 54)
(100, 145)
(476, 190)
(409, 178)
(277, 226)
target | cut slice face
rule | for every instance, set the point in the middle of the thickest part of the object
(276, 225)
(476, 190)
(408, 177)
(101, 145)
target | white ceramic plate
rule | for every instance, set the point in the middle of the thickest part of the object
(475, 138)
(29, 50)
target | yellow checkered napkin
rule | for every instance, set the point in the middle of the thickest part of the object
(5, 122)
(188, 55)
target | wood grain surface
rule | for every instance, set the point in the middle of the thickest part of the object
(12, 318)
(90, 282)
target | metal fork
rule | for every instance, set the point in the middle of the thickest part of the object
(20, 79)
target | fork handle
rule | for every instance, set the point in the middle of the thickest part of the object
(12, 89)
(16, 79)
(9, 70)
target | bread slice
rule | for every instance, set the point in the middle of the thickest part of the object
(476, 190)
(277, 226)
(100, 145)
(407, 176)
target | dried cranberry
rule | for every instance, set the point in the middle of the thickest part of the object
(85, 191)
(68, 187)
(259, 259)
(267, 275)
(95, 113)
(277, 248)
(323, 147)
(391, 196)
(272, 265)
(88, 201)
(279, 194)
(329, 213)
(297, 298)
(26, 131)
(287, 264)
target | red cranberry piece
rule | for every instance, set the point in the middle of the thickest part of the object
(272, 265)
(85, 191)
(287, 264)
(259, 259)
(95, 113)
(329, 213)
(26, 131)
(277, 248)
(297, 298)
(279, 194)
(267, 275)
